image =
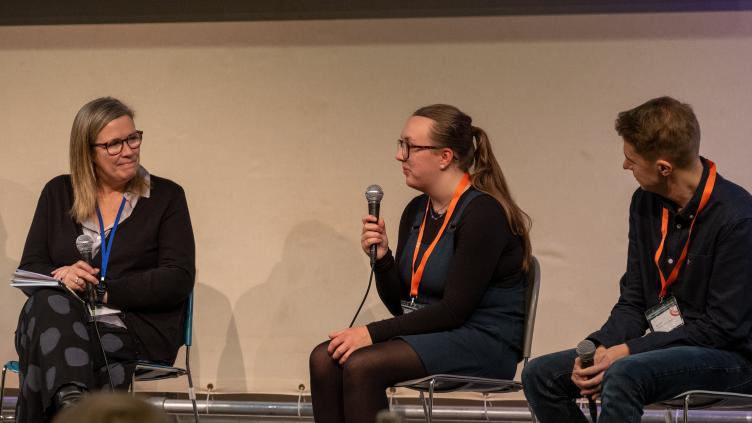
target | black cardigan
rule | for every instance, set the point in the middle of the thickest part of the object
(152, 266)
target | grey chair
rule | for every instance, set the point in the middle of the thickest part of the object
(699, 399)
(443, 383)
(145, 370)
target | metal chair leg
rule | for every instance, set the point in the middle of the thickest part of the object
(424, 403)
(2, 391)
(191, 390)
(686, 408)
(430, 399)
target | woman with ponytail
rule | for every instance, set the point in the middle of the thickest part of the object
(455, 283)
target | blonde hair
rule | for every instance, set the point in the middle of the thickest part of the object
(89, 121)
(453, 129)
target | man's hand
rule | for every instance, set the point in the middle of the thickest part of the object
(589, 380)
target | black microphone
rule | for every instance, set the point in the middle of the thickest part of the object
(586, 352)
(374, 194)
(85, 245)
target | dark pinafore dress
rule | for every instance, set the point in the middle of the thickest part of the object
(488, 344)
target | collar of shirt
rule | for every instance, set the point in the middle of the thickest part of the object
(686, 214)
(91, 225)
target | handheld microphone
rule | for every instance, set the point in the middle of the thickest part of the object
(85, 245)
(374, 194)
(586, 352)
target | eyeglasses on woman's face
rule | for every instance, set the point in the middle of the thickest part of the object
(405, 147)
(115, 146)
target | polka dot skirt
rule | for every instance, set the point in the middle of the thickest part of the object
(57, 345)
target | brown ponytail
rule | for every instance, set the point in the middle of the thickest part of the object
(486, 176)
(453, 129)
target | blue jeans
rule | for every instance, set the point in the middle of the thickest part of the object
(633, 381)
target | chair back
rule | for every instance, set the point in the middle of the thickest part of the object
(531, 306)
(188, 335)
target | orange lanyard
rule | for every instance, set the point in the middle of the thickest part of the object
(418, 273)
(665, 283)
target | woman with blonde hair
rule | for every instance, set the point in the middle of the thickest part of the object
(143, 266)
(455, 283)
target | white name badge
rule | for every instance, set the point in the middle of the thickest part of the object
(410, 306)
(665, 317)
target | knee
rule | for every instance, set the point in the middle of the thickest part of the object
(359, 368)
(531, 372)
(620, 372)
(540, 370)
(622, 376)
(320, 362)
(53, 305)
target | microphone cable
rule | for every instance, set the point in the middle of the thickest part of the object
(93, 308)
(104, 355)
(370, 281)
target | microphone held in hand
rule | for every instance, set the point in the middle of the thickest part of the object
(374, 194)
(586, 352)
(85, 245)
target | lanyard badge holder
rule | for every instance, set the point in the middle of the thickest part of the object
(417, 272)
(667, 316)
(106, 248)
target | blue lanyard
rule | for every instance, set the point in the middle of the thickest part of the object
(107, 249)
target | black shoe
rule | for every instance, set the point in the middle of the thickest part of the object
(68, 395)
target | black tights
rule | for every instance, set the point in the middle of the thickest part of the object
(356, 391)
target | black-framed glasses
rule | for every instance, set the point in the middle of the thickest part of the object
(405, 148)
(115, 146)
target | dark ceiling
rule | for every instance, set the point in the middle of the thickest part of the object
(50, 12)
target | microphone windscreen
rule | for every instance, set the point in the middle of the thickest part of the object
(84, 244)
(586, 352)
(374, 193)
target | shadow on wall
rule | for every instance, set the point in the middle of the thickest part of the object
(212, 311)
(312, 291)
(11, 195)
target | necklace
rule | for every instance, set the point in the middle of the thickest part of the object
(436, 215)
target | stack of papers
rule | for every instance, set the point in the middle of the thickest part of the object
(28, 282)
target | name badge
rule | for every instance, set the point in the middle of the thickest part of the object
(665, 317)
(410, 306)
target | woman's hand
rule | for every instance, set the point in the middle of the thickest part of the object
(345, 342)
(374, 232)
(77, 275)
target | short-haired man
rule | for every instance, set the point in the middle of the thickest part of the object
(688, 283)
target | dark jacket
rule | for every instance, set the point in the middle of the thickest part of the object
(152, 265)
(714, 287)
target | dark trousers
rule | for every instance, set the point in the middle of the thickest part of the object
(57, 345)
(633, 381)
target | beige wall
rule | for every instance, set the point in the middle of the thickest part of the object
(275, 129)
